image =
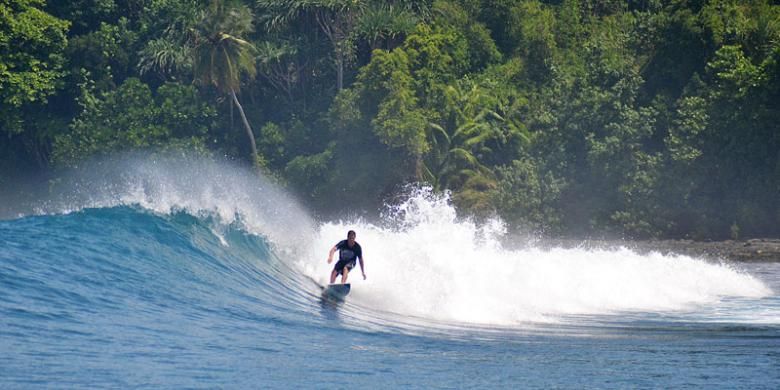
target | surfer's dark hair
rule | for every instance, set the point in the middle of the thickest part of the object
(351, 233)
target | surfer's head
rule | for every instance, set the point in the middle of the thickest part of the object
(351, 237)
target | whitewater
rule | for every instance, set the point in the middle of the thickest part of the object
(185, 272)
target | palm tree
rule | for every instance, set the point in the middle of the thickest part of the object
(384, 25)
(220, 55)
(452, 160)
(170, 54)
(343, 22)
(456, 146)
(336, 19)
(283, 65)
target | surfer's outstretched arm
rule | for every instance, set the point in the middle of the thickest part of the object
(362, 267)
(330, 254)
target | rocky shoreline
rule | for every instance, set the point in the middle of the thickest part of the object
(753, 250)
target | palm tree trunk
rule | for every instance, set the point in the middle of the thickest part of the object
(418, 167)
(248, 128)
(339, 73)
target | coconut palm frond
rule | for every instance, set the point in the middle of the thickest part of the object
(164, 56)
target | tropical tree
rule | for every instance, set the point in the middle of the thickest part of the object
(398, 121)
(31, 60)
(210, 43)
(32, 72)
(168, 49)
(284, 64)
(336, 19)
(221, 55)
(476, 126)
(527, 195)
(383, 25)
(346, 22)
(174, 117)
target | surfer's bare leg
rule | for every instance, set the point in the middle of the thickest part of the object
(344, 274)
(333, 276)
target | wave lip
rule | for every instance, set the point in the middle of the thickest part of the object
(196, 185)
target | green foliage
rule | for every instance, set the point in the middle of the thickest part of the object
(437, 56)
(31, 59)
(534, 27)
(338, 20)
(221, 55)
(165, 57)
(682, 142)
(725, 137)
(307, 171)
(167, 27)
(106, 54)
(573, 117)
(132, 117)
(346, 112)
(482, 50)
(527, 197)
(398, 122)
(272, 142)
(84, 15)
(470, 131)
(382, 24)
(280, 143)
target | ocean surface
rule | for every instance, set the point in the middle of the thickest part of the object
(169, 274)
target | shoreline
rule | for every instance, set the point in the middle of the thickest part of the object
(752, 250)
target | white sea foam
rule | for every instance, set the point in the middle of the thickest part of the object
(432, 265)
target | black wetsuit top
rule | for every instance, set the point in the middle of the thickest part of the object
(347, 255)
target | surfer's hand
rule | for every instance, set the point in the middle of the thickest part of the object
(364, 276)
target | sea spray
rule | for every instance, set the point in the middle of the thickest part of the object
(424, 261)
(200, 186)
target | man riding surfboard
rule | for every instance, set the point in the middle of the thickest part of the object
(349, 251)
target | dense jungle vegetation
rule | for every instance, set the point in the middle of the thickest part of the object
(641, 119)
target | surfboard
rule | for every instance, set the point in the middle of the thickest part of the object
(337, 291)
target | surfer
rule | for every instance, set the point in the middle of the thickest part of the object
(349, 251)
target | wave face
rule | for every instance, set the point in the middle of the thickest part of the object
(124, 261)
(166, 264)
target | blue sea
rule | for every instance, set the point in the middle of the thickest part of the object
(159, 273)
